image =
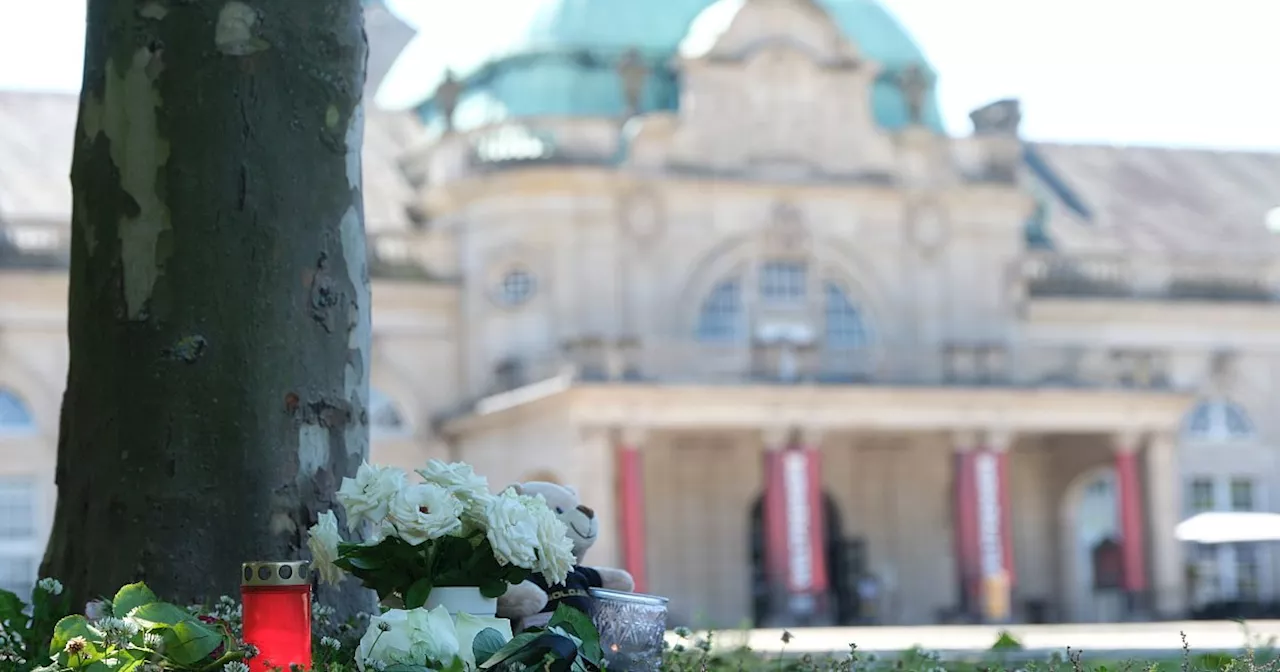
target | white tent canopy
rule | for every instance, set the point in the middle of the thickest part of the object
(1236, 527)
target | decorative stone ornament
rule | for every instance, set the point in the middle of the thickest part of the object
(642, 216)
(787, 232)
(927, 228)
(634, 73)
(446, 98)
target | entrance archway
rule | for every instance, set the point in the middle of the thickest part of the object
(843, 565)
(1090, 518)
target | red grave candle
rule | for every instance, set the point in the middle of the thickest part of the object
(276, 597)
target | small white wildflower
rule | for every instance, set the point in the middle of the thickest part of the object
(377, 665)
(330, 643)
(75, 645)
(50, 585)
(110, 662)
(235, 666)
(153, 641)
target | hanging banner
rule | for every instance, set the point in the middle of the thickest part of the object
(802, 498)
(992, 551)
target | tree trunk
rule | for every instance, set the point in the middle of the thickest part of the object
(218, 318)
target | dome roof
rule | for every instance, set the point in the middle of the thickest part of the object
(562, 62)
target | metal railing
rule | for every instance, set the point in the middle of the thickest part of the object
(973, 364)
(1148, 277)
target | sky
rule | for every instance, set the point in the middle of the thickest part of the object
(1169, 72)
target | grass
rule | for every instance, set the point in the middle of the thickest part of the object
(693, 653)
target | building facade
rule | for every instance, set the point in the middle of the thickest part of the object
(809, 358)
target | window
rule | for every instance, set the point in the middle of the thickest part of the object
(1242, 494)
(15, 418)
(720, 319)
(1247, 570)
(1200, 496)
(19, 550)
(516, 288)
(784, 282)
(1218, 421)
(844, 322)
(384, 417)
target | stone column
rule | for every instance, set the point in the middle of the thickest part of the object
(964, 522)
(631, 518)
(1132, 530)
(1164, 502)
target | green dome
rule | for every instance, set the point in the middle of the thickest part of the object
(563, 61)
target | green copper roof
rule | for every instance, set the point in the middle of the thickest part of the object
(562, 63)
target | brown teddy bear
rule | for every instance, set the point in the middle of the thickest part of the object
(531, 602)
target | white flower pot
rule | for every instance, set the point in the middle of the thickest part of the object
(460, 600)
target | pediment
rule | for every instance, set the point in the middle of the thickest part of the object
(739, 30)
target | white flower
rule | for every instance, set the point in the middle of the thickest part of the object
(457, 477)
(235, 666)
(425, 511)
(461, 480)
(116, 630)
(111, 662)
(555, 548)
(323, 539)
(50, 585)
(96, 610)
(367, 497)
(511, 530)
(330, 643)
(469, 626)
(411, 637)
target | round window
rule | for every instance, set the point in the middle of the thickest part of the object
(516, 288)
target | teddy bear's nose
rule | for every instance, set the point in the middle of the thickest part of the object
(586, 510)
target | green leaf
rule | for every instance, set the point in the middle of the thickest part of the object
(187, 640)
(486, 643)
(11, 607)
(418, 593)
(494, 588)
(531, 648)
(362, 562)
(190, 642)
(155, 614)
(581, 626)
(68, 629)
(131, 596)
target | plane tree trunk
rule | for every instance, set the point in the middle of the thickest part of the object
(218, 319)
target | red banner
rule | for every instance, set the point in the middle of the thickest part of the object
(794, 520)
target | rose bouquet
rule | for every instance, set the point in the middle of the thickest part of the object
(446, 530)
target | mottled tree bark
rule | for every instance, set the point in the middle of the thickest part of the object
(219, 320)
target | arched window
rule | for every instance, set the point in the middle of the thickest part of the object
(384, 417)
(15, 417)
(784, 282)
(1218, 421)
(720, 319)
(844, 325)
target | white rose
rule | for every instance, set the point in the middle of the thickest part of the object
(511, 530)
(424, 511)
(461, 480)
(555, 548)
(367, 497)
(413, 637)
(469, 626)
(323, 539)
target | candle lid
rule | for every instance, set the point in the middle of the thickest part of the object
(293, 573)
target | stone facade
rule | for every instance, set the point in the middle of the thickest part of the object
(993, 354)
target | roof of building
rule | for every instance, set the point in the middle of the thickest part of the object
(563, 62)
(1177, 201)
(37, 133)
(1190, 202)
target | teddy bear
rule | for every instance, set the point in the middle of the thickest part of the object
(531, 602)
